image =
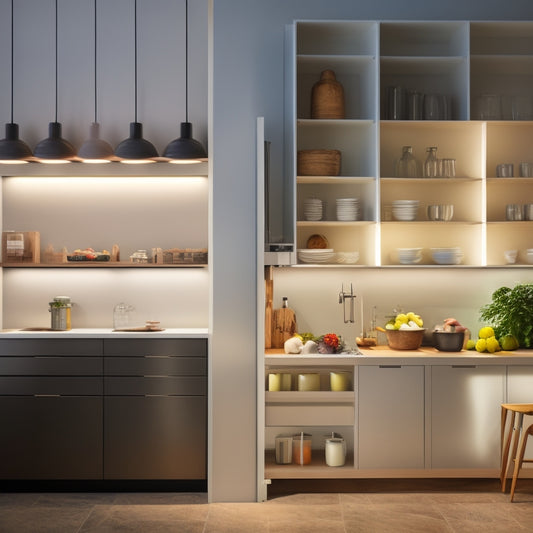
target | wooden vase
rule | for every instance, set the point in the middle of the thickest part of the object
(327, 97)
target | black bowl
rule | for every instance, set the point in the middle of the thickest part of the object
(448, 341)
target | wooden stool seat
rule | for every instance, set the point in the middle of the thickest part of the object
(517, 410)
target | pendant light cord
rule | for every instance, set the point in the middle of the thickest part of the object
(135, 47)
(56, 67)
(186, 60)
(95, 69)
(12, 69)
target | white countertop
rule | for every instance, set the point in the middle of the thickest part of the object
(80, 333)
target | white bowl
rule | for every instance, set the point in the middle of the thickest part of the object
(347, 258)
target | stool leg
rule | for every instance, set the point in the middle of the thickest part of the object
(519, 459)
(505, 449)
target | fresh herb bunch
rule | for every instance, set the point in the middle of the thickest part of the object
(511, 313)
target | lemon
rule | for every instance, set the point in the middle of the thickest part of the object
(492, 344)
(509, 342)
(481, 345)
(402, 318)
(388, 325)
(470, 344)
(297, 335)
(486, 332)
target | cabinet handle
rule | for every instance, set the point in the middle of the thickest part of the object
(390, 366)
(464, 366)
(47, 395)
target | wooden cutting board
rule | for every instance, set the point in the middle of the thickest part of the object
(269, 291)
(283, 326)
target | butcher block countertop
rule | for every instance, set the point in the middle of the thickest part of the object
(383, 355)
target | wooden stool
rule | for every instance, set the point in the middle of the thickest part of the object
(515, 430)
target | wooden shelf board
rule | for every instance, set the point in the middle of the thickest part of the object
(99, 264)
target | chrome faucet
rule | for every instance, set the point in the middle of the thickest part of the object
(343, 296)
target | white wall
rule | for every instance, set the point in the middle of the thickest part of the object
(248, 82)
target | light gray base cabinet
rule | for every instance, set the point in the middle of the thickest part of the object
(93, 409)
(465, 423)
(391, 416)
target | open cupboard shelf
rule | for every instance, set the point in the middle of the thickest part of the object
(460, 59)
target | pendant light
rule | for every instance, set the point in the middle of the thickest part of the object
(185, 149)
(55, 149)
(135, 149)
(94, 149)
(13, 150)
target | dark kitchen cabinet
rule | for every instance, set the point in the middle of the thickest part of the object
(103, 409)
(155, 409)
(51, 409)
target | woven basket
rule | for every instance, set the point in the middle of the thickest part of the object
(319, 162)
(405, 339)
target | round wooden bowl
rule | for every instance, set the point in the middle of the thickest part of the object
(318, 162)
(405, 339)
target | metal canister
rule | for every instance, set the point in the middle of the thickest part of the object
(60, 309)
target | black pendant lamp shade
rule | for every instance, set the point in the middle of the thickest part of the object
(185, 149)
(94, 149)
(12, 149)
(135, 149)
(55, 149)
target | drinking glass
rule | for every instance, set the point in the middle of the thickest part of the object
(432, 107)
(490, 107)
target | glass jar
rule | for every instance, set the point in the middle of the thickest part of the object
(431, 165)
(407, 166)
(15, 246)
(140, 256)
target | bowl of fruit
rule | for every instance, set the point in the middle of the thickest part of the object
(405, 331)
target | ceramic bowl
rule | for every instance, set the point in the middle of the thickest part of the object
(448, 341)
(405, 339)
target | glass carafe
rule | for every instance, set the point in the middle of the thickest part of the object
(431, 165)
(407, 166)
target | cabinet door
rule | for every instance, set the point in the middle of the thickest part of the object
(391, 417)
(520, 390)
(51, 438)
(155, 437)
(465, 416)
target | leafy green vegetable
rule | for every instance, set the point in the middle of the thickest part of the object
(511, 313)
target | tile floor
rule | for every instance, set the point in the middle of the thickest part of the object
(378, 506)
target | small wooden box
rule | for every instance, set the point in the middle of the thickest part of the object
(32, 248)
(181, 256)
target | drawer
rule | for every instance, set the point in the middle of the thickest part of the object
(342, 414)
(50, 366)
(138, 347)
(157, 365)
(74, 347)
(163, 386)
(50, 386)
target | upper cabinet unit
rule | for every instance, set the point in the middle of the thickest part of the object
(465, 88)
(428, 63)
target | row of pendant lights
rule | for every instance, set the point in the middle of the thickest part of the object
(134, 149)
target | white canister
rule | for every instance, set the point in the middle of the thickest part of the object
(283, 450)
(335, 451)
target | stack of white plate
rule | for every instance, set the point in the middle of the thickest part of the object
(348, 258)
(316, 255)
(409, 256)
(405, 210)
(447, 256)
(313, 209)
(347, 209)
